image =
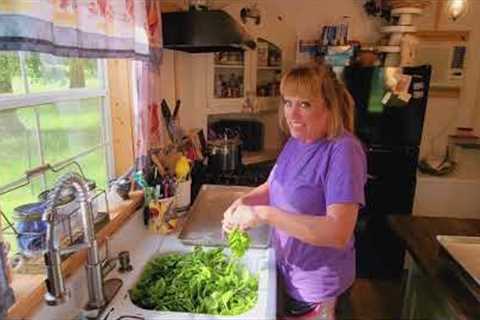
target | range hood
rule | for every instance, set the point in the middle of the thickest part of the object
(197, 31)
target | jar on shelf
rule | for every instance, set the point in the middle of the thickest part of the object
(219, 85)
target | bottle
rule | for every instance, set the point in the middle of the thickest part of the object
(231, 85)
(240, 86)
(219, 86)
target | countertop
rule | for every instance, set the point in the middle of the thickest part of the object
(142, 245)
(419, 235)
(252, 157)
(260, 261)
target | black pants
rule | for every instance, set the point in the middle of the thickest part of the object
(287, 306)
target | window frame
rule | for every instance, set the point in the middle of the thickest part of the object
(117, 96)
(16, 101)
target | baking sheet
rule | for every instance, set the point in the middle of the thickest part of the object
(466, 251)
(204, 223)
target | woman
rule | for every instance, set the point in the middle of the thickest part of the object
(313, 194)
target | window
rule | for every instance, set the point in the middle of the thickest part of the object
(52, 110)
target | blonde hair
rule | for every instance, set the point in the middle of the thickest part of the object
(318, 80)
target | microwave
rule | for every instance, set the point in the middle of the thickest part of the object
(447, 58)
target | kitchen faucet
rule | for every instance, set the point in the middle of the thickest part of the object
(56, 293)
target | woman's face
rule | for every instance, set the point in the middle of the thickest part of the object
(306, 118)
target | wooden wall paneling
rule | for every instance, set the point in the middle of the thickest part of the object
(438, 14)
(443, 35)
(121, 106)
(445, 92)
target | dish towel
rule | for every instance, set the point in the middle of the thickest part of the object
(6, 293)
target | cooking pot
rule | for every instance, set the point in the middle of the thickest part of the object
(224, 155)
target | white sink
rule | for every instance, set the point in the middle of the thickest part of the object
(258, 261)
(466, 251)
(142, 246)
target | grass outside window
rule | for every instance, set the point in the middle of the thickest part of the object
(51, 132)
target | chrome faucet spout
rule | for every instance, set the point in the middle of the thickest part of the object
(56, 291)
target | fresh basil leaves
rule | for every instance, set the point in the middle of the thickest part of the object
(238, 242)
(202, 281)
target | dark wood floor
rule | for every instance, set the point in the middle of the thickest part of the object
(368, 299)
(373, 300)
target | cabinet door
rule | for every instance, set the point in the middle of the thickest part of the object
(228, 81)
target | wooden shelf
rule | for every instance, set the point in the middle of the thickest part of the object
(230, 66)
(445, 35)
(270, 68)
(228, 98)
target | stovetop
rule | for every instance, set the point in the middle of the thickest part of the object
(251, 176)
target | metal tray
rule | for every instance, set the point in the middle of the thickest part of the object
(204, 223)
(466, 251)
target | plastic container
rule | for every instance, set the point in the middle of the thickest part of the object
(183, 196)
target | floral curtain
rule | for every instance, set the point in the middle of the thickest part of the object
(150, 127)
(82, 28)
(97, 29)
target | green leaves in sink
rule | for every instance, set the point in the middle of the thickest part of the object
(199, 282)
(238, 242)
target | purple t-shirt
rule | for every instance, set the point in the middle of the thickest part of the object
(306, 179)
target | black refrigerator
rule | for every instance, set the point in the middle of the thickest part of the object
(390, 130)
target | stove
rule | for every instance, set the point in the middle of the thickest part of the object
(250, 176)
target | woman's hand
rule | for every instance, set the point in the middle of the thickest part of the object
(227, 222)
(242, 217)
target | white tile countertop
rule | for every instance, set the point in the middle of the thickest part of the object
(143, 245)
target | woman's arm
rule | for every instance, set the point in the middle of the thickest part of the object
(258, 196)
(332, 230)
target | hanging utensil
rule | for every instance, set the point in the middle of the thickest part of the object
(174, 127)
(175, 111)
(167, 116)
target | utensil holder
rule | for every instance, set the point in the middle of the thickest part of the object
(183, 196)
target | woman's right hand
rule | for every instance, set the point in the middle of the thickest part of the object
(228, 223)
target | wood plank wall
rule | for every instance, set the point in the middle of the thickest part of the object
(121, 106)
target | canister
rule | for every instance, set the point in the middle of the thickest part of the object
(31, 238)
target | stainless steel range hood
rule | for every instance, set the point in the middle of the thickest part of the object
(204, 31)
